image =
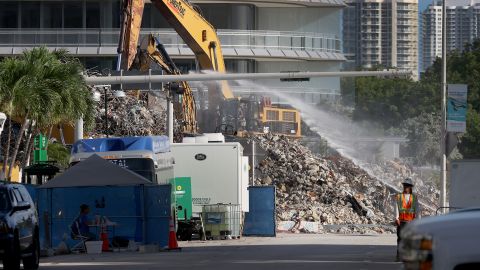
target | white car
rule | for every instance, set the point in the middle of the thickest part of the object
(450, 241)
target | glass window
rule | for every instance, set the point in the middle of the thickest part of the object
(52, 15)
(25, 194)
(157, 20)
(4, 200)
(93, 14)
(272, 115)
(18, 195)
(146, 19)
(30, 14)
(13, 198)
(16, 198)
(116, 6)
(8, 14)
(73, 14)
(141, 166)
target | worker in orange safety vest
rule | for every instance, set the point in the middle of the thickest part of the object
(406, 207)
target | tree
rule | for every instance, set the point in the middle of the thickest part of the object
(390, 101)
(11, 82)
(46, 88)
(423, 133)
(464, 68)
(469, 144)
(59, 153)
(394, 103)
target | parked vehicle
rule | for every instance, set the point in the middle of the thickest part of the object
(19, 233)
(443, 242)
(464, 184)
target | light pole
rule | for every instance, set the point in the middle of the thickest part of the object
(105, 99)
(443, 174)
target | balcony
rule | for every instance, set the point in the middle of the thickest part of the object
(235, 43)
(276, 3)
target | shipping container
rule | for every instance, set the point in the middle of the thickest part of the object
(218, 172)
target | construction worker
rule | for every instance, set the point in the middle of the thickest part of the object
(406, 208)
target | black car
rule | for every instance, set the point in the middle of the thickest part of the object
(19, 237)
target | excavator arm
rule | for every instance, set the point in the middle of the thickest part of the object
(132, 12)
(198, 34)
(185, 108)
(129, 57)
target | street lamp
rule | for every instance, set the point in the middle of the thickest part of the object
(97, 95)
(444, 133)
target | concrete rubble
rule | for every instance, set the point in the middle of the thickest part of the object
(332, 192)
(394, 171)
(129, 116)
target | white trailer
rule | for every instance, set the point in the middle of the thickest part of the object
(465, 183)
(218, 171)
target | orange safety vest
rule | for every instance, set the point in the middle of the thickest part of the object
(406, 209)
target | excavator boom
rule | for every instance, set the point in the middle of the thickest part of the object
(198, 34)
(201, 37)
(132, 12)
(186, 110)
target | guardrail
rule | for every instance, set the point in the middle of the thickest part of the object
(254, 39)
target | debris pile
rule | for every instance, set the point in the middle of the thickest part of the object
(330, 191)
(394, 171)
(129, 116)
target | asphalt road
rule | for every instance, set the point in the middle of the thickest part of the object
(282, 252)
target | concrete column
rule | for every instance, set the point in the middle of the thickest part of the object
(170, 119)
(242, 17)
(78, 130)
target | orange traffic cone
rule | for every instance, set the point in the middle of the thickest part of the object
(172, 237)
(105, 244)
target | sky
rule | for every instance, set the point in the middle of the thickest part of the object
(422, 4)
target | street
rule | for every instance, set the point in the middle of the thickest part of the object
(286, 251)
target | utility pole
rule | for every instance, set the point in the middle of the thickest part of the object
(254, 153)
(443, 188)
(170, 118)
(105, 99)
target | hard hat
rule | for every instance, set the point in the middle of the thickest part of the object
(408, 181)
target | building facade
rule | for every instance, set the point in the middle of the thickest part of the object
(463, 26)
(431, 35)
(381, 33)
(256, 36)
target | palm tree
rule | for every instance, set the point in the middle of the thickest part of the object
(49, 89)
(11, 78)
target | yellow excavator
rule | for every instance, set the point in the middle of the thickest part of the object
(202, 39)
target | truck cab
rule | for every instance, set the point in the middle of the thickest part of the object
(448, 241)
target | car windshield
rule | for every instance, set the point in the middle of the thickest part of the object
(4, 200)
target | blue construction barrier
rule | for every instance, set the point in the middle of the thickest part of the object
(32, 190)
(260, 220)
(141, 212)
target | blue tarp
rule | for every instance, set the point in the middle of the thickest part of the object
(141, 212)
(260, 219)
(156, 144)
